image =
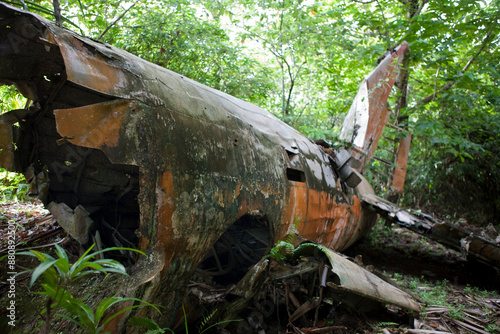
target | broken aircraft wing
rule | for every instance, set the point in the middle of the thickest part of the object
(452, 236)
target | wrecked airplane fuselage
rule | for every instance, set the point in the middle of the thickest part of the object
(123, 149)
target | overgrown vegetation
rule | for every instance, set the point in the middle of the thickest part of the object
(59, 274)
(458, 306)
(13, 187)
(153, 328)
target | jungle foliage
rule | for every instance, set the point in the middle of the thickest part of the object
(303, 61)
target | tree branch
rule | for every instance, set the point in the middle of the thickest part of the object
(57, 12)
(413, 16)
(115, 21)
(450, 84)
(292, 84)
(364, 2)
(417, 13)
(386, 33)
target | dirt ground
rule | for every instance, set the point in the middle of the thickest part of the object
(458, 295)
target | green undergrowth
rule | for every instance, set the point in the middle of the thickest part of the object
(58, 275)
(442, 293)
(13, 187)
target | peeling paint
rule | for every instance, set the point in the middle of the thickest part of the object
(369, 113)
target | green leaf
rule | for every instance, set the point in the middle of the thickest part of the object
(143, 303)
(42, 267)
(219, 323)
(61, 253)
(144, 322)
(82, 258)
(62, 266)
(104, 305)
(71, 319)
(39, 255)
(108, 264)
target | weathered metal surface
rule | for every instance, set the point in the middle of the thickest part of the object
(369, 112)
(450, 235)
(349, 277)
(75, 222)
(399, 175)
(161, 162)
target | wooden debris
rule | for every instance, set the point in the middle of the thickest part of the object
(32, 222)
(323, 329)
(304, 308)
(422, 331)
(475, 318)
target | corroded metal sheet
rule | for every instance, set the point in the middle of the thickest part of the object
(350, 277)
(99, 126)
(399, 176)
(450, 235)
(369, 113)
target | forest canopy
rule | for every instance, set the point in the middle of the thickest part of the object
(304, 60)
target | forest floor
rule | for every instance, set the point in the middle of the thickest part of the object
(457, 295)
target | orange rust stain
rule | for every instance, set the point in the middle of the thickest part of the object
(323, 219)
(247, 206)
(89, 68)
(237, 190)
(398, 180)
(231, 195)
(220, 199)
(267, 190)
(95, 125)
(356, 206)
(48, 36)
(166, 208)
(374, 132)
(228, 195)
(346, 226)
(167, 182)
(296, 208)
(326, 220)
(143, 243)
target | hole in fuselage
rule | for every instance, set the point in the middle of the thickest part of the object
(107, 191)
(60, 171)
(295, 175)
(80, 176)
(238, 249)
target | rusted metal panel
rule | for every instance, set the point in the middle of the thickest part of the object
(99, 126)
(369, 113)
(174, 166)
(399, 176)
(354, 279)
(376, 127)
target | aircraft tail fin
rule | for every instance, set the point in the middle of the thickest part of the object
(369, 112)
